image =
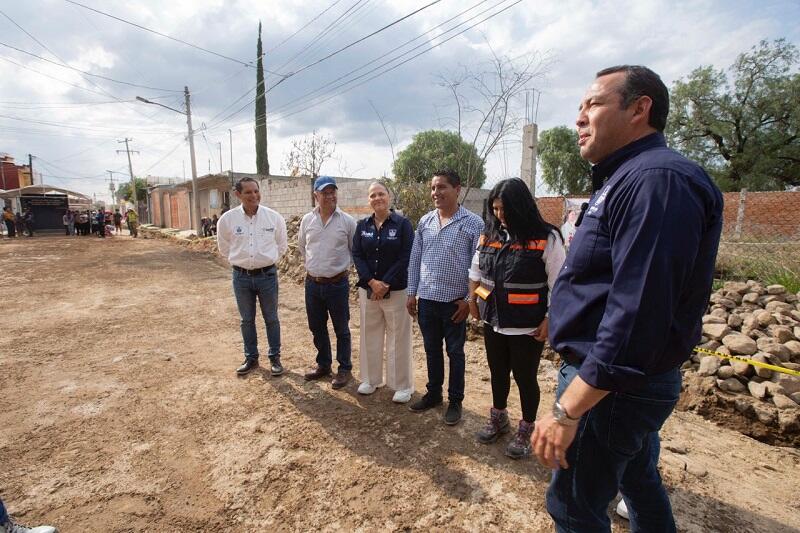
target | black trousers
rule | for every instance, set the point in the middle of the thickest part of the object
(517, 354)
(12, 232)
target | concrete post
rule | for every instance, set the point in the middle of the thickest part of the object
(530, 143)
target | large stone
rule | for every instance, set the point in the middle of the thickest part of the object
(764, 300)
(796, 332)
(784, 320)
(776, 289)
(739, 287)
(731, 385)
(756, 286)
(716, 331)
(725, 372)
(708, 366)
(757, 390)
(710, 345)
(790, 384)
(793, 347)
(776, 306)
(794, 313)
(763, 342)
(711, 319)
(761, 371)
(735, 321)
(781, 333)
(774, 388)
(765, 413)
(791, 298)
(720, 312)
(783, 402)
(742, 369)
(764, 319)
(789, 420)
(733, 296)
(796, 397)
(778, 350)
(740, 344)
(791, 366)
(750, 298)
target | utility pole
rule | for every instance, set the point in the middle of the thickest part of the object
(30, 167)
(195, 199)
(230, 138)
(130, 169)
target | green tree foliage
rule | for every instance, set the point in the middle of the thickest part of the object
(434, 150)
(124, 190)
(743, 126)
(262, 160)
(563, 169)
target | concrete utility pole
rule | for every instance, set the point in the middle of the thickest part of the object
(195, 198)
(230, 139)
(530, 144)
(30, 167)
(130, 169)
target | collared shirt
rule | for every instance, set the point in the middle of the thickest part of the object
(327, 247)
(383, 254)
(441, 256)
(252, 242)
(553, 258)
(629, 300)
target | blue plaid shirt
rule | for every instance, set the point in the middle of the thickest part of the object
(441, 257)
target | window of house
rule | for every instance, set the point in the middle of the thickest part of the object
(213, 199)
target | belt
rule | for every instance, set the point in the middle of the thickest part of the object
(326, 281)
(255, 271)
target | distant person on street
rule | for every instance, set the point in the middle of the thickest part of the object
(65, 222)
(325, 241)
(19, 222)
(9, 525)
(117, 221)
(381, 248)
(626, 309)
(27, 215)
(8, 220)
(252, 237)
(513, 271)
(83, 223)
(444, 243)
(132, 220)
(214, 221)
(100, 220)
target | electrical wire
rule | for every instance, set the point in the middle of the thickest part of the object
(304, 26)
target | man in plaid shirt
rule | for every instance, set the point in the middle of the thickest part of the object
(444, 243)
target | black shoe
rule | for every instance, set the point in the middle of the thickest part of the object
(247, 366)
(341, 379)
(318, 373)
(425, 403)
(275, 366)
(453, 414)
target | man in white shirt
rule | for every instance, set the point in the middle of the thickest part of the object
(252, 237)
(325, 241)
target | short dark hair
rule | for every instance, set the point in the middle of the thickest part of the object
(452, 176)
(641, 81)
(240, 184)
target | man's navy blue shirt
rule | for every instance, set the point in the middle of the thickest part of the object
(383, 254)
(629, 300)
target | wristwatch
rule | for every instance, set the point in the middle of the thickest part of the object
(560, 415)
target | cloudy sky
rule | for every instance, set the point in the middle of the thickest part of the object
(71, 121)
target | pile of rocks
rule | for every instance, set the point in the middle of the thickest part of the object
(757, 322)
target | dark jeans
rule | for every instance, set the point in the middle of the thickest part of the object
(616, 449)
(247, 289)
(330, 299)
(66, 229)
(518, 354)
(436, 327)
(12, 231)
(3, 513)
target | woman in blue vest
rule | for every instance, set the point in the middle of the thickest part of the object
(512, 273)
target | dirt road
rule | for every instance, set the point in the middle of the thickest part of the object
(120, 411)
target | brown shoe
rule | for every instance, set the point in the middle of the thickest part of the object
(342, 378)
(317, 373)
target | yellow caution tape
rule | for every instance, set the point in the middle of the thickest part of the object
(774, 368)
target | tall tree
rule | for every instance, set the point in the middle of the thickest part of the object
(564, 171)
(744, 127)
(437, 149)
(262, 160)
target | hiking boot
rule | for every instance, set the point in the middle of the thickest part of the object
(520, 445)
(453, 414)
(426, 402)
(247, 366)
(342, 378)
(12, 527)
(496, 425)
(317, 373)
(275, 366)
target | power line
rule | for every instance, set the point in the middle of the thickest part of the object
(81, 127)
(51, 77)
(85, 72)
(304, 26)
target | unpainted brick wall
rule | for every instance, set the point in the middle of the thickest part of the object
(766, 216)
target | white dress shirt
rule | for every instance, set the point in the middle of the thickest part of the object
(326, 248)
(252, 242)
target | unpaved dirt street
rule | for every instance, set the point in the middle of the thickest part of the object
(120, 411)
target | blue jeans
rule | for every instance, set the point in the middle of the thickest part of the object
(264, 287)
(436, 326)
(3, 513)
(330, 299)
(616, 448)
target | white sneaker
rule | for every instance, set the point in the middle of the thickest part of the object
(622, 509)
(12, 527)
(366, 388)
(402, 396)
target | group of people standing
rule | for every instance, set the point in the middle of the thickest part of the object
(19, 224)
(622, 309)
(102, 223)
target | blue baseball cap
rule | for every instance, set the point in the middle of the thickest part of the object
(324, 181)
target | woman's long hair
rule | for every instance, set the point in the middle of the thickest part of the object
(523, 219)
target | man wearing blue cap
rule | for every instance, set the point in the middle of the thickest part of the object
(325, 241)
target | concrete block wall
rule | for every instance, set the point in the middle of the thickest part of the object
(289, 197)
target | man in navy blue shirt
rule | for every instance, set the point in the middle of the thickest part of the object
(625, 311)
